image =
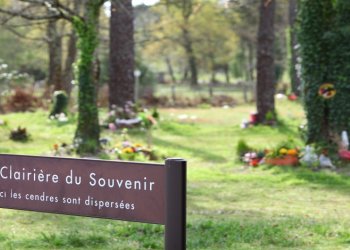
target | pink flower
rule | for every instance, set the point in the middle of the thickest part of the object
(112, 126)
(126, 144)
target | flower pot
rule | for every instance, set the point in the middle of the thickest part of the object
(344, 154)
(253, 118)
(287, 160)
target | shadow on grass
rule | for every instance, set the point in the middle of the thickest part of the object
(205, 155)
(182, 129)
(284, 128)
(329, 180)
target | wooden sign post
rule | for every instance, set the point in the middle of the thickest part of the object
(129, 191)
(175, 221)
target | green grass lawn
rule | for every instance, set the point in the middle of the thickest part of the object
(229, 206)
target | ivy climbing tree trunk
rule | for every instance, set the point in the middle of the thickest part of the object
(265, 63)
(122, 64)
(88, 132)
(315, 22)
(339, 106)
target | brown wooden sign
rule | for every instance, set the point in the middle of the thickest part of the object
(129, 191)
(105, 189)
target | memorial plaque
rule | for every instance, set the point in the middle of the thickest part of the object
(94, 188)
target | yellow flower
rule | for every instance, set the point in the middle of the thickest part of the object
(293, 152)
(283, 151)
(128, 150)
(138, 145)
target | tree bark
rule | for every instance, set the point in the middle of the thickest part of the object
(170, 70)
(88, 131)
(294, 74)
(55, 56)
(185, 74)
(213, 67)
(251, 62)
(68, 73)
(227, 73)
(122, 62)
(68, 68)
(192, 61)
(265, 63)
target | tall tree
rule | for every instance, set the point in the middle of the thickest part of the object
(187, 9)
(52, 32)
(122, 64)
(315, 24)
(246, 25)
(217, 40)
(54, 40)
(339, 106)
(244, 20)
(211, 43)
(68, 74)
(87, 133)
(294, 64)
(265, 62)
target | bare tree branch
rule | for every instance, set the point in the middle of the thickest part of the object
(55, 10)
(18, 34)
(27, 24)
(21, 13)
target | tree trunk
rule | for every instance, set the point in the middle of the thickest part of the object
(68, 69)
(265, 63)
(251, 66)
(192, 61)
(88, 132)
(55, 56)
(185, 74)
(213, 76)
(249, 57)
(173, 78)
(71, 55)
(294, 74)
(244, 60)
(245, 91)
(122, 64)
(213, 69)
(227, 73)
(170, 70)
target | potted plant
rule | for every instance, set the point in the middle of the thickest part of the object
(283, 156)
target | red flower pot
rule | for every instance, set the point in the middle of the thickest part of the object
(287, 160)
(253, 118)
